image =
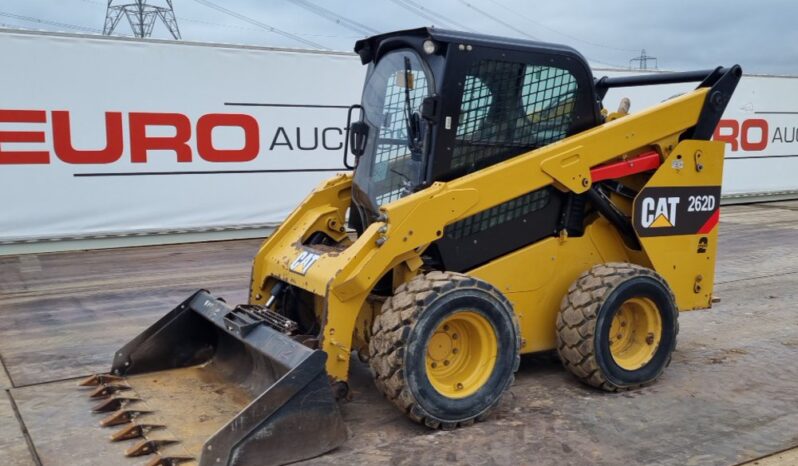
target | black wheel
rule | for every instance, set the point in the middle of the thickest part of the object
(617, 326)
(445, 348)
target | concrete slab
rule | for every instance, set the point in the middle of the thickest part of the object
(63, 315)
(64, 430)
(70, 336)
(728, 397)
(5, 382)
(785, 458)
(13, 448)
(756, 241)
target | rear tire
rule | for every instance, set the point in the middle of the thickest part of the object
(617, 327)
(445, 348)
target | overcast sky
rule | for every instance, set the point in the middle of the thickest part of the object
(760, 35)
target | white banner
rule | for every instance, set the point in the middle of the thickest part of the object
(106, 136)
(102, 136)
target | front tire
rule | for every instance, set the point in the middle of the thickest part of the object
(445, 348)
(617, 327)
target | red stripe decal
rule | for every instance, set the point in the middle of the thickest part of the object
(710, 223)
(644, 162)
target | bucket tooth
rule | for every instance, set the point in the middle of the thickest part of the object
(132, 431)
(100, 379)
(123, 416)
(244, 391)
(113, 404)
(148, 447)
(106, 390)
(169, 460)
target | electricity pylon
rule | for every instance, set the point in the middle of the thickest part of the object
(141, 15)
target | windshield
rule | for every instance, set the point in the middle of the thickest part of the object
(391, 166)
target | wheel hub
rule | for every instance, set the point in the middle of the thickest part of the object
(440, 347)
(635, 333)
(461, 354)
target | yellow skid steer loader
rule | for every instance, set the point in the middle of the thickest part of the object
(495, 209)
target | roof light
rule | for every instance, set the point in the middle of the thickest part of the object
(430, 47)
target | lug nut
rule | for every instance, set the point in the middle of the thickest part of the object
(434, 365)
(650, 339)
(455, 350)
(446, 362)
(454, 336)
(445, 328)
(459, 386)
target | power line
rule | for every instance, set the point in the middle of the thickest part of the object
(417, 12)
(595, 44)
(424, 12)
(335, 17)
(510, 26)
(242, 28)
(611, 65)
(503, 23)
(259, 24)
(48, 22)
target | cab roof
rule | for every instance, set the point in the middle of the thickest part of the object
(372, 47)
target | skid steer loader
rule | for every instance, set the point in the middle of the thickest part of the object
(495, 209)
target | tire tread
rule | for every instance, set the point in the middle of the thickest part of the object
(576, 321)
(395, 322)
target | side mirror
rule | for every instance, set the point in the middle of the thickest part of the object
(358, 134)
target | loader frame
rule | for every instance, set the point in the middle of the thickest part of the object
(342, 281)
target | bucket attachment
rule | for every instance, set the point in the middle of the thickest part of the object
(215, 385)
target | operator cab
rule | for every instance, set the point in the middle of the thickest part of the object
(438, 105)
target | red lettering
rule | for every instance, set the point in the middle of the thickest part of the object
(62, 140)
(207, 151)
(140, 143)
(730, 137)
(745, 141)
(13, 157)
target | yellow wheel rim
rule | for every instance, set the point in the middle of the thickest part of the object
(461, 354)
(635, 333)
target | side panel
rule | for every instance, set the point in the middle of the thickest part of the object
(535, 279)
(676, 217)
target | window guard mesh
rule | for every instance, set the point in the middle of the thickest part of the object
(509, 108)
